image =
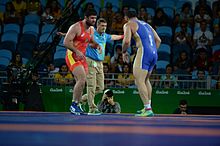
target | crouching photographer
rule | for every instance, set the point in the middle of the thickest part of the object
(107, 104)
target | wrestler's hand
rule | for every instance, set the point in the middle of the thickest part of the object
(80, 55)
(125, 57)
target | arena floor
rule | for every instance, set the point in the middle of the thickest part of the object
(65, 129)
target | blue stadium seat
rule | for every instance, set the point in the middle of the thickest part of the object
(25, 60)
(31, 28)
(8, 45)
(215, 48)
(32, 18)
(4, 63)
(166, 3)
(26, 49)
(164, 48)
(43, 3)
(60, 55)
(45, 37)
(216, 41)
(2, 7)
(59, 58)
(28, 38)
(115, 9)
(12, 27)
(47, 28)
(3, 2)
(164, 31)
(10, 36)
(61, 41)
(59, 62)
(113, 2)
(169, 11)
(178, 29)
(149, 3)
(151, 11)
(97, 8)
(62, 3)
(60, 48)
(6, 53)
(97, 2)
(161, 66)
(163, 56)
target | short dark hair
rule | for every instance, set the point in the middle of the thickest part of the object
(101, 20)
(183, 102)
(169, 65)
(90, 12)
(108, 92)
(131, 13)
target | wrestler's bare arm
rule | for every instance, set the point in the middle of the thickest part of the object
(70, 35)
(156, 37)
(126, 42)
(127, 37)
(116, 37)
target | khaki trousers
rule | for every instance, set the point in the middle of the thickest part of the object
(95, 80)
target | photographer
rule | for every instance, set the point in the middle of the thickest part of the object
(33, 100)
(183, 108)
(11, 91)
(107, 104)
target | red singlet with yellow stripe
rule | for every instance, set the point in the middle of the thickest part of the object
(80, 43)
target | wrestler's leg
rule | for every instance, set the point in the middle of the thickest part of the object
(149, 87)
(140, 77)
(80, 77)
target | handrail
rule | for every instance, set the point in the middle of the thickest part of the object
(111, 80)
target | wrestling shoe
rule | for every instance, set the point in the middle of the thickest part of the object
(140, 111)
(82, 106)
(94, 112)
(146, 113)
(76, 109)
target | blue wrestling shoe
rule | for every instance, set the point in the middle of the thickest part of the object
(145, 113)
(76, 109)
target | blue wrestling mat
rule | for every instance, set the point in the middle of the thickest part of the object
(65, 129)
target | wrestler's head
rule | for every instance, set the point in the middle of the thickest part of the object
(90, 17)
(131, 13)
